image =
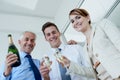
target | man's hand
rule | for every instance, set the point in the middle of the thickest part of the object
(10, 59)
(44, 70)
(65, 62)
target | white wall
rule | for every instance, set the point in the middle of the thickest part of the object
(114, 16)
(62, 17)
(21, 23)
(15, 24)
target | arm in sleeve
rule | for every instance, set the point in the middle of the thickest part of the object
(81, 70)
(84, 68)
(2, 77)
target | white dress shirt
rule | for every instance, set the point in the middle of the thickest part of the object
(73, 53)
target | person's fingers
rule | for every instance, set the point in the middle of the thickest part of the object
(44, 70)
(11, 59)
(71, 42)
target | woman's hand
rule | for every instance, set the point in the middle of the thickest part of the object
(71, 42)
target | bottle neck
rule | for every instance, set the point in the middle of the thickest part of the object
(10, 40)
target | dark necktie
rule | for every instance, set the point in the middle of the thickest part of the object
(63, 71)
(34, 68)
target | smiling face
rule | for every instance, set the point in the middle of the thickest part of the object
(27, 42)
(52, 35)
(79, 22)
(80, 19)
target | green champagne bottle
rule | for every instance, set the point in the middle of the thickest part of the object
(12, 48)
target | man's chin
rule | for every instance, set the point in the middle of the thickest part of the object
(53, 45)
(28, 51)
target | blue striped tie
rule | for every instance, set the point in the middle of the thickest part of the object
(34, 68)
(63, 71)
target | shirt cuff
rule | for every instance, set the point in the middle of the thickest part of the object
(4, 77)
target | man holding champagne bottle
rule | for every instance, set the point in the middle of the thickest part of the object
(24, 71)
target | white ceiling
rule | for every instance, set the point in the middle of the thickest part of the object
(47, 9)
(35, 8)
